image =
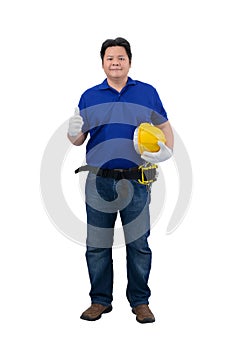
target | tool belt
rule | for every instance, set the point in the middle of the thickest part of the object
(144, 174)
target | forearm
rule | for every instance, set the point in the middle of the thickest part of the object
(78, 139)
(168, 132)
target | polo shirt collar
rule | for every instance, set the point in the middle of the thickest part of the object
(104, 85)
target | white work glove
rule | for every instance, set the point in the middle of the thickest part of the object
(75, 123)
(156, 157)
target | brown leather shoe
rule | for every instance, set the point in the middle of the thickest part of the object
(143, 314)
(95, 311)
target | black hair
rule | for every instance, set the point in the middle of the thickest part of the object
(116, 42)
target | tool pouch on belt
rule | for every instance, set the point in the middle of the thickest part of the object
(149, 174)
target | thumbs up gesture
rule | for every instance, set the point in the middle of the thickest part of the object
(75, 123)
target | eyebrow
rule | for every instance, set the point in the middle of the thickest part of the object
(117, 56)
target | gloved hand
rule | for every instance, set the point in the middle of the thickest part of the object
(75, 123)
(155, 157)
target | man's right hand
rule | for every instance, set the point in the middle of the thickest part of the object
(75, 123)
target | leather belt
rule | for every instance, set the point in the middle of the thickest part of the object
(143, 174)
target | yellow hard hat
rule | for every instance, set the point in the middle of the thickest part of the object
(146, 137)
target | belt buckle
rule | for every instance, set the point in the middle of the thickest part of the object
(147, 167)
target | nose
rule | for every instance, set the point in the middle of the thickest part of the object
(115, 63)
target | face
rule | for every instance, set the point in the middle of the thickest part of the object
(116, 63)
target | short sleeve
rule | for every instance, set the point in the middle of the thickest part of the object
(159, 115)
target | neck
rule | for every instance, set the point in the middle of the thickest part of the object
(117, 84)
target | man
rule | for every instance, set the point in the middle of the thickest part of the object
(110, 113)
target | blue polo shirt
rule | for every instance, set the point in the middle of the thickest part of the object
(111, 117)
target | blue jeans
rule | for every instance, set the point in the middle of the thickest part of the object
(106, 197)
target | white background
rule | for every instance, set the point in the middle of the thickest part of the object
(49, 56)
